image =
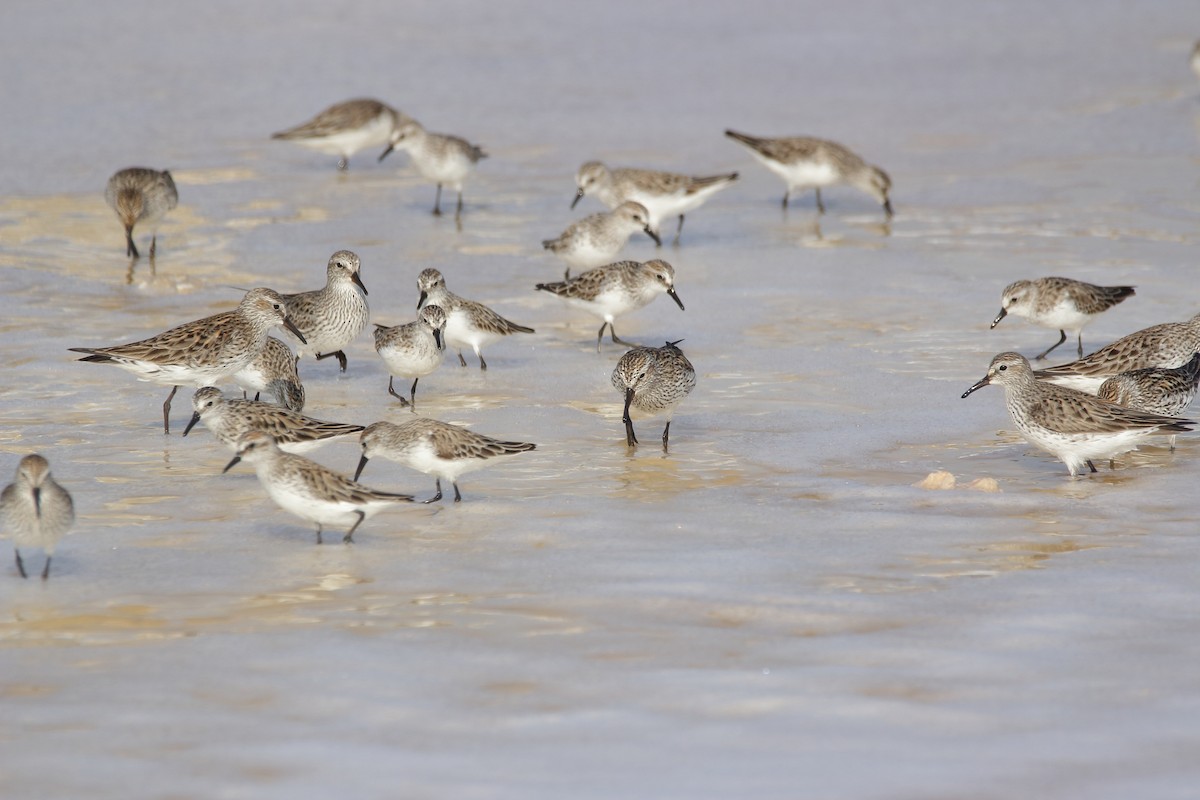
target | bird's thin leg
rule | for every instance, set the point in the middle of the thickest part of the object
(1063, 338)
(349, 537)
(413, 395)
(20, 563)
(887, 207)
(318, 533)
(1092, 466)
(461, 360)
(46, 569)
(130, 247)
(457, 496)
(393, 393)
(153, 245)
(482, 363)
(600, 335)
(820, 205)
(437, 496)
(679, 230)
(437, 202)
(785, 198)
(167, 411)
(338, 354)
(630, 437)
(666, 435)
(458, 208)
(1081, 344)
(612, 329)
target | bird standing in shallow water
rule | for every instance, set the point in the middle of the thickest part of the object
(663, 194)
(1059, 303)
(807, 163)
(614, 289)
(141, 195)
(345, 128)
(598, 239)
(206, 352)
(1072, 426)
(653, 380)
(435, 448)
(413, 350)
(332, 317)
(35, 510)
(468, 324)
(439, 158)
(309, 490)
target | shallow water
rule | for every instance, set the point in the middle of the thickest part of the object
(773, 608)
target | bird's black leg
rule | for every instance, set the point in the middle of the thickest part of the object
(630, 437)
(338, 354)
(46, 569)
(457, 496)
(437, 496)
(437, 202)
(130, 247)
(20, 563)
(318, 533)
(1063, 338)
(413, 394)
(349, 537)
(612, 329)
(482, 363)
(167, 411)
(820, 205)
(461, 360)
(1091, 466)
(1081, 344)
(393, 393)
(679, 230)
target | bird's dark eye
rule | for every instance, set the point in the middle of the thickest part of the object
(276, 306)
(1003, 367)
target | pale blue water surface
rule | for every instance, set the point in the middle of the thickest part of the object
(772, 610)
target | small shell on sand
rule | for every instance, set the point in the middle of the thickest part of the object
(983, 485)
(937, 480)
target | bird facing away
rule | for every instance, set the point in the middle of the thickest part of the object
(206, 352)
(141, 195)
(332, 317)
(35, 510)
(435, 448)
(274, 372)
(807, 163)
(1169, 345)
(664, 194)
(439, 157)
(412, 350)
(1155, 390)
(468, 324)
(1059, 303)
(598, 239)
(615, 289)
(309, 490)
(1072, 426)
(292, 431)
(653, 380)
(345, 128)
